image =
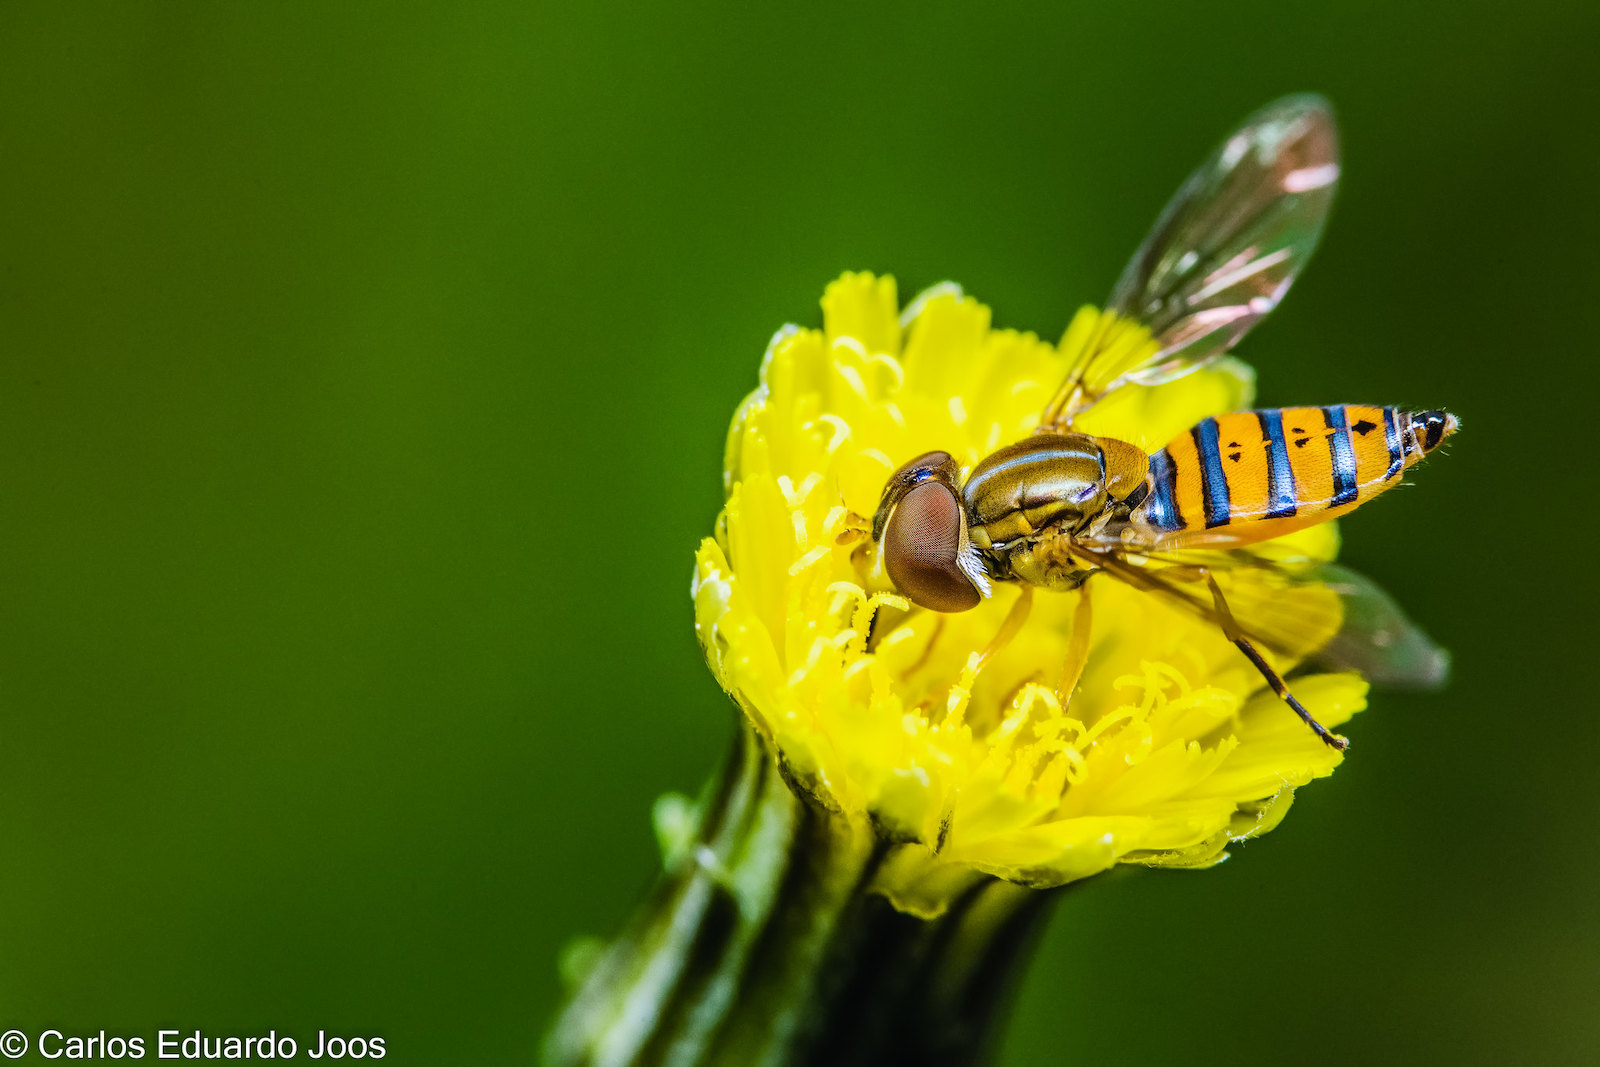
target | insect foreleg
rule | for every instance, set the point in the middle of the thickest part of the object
(1231, 629)
(1011, 627)
(1077, 647)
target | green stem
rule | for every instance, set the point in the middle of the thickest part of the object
(764, 944)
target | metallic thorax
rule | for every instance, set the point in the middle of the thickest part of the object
(1026, 501)
(1044, 482)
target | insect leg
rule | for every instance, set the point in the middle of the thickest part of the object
(1077, 647)
(1010, 628)
(1231, 629)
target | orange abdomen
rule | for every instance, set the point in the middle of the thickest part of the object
(1251, 475)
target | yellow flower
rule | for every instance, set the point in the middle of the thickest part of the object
(1170, 749)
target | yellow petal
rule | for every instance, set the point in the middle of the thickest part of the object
(862, 307)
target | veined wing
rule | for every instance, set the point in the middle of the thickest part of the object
(1220, 257)
(1319, 613)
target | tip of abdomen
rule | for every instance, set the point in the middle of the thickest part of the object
(1433, 427)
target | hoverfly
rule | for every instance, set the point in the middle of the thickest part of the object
(1060, 506)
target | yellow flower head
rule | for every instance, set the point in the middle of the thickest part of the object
(1171, 747)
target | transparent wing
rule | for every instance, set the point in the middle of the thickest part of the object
(1235, 236)
(1378, 639)
(1220, 257)
(1320, 613)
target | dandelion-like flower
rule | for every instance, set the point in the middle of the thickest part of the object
(1171, 748)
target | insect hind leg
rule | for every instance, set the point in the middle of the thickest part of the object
(1231, 629)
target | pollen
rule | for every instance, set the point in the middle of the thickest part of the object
(1170, 748)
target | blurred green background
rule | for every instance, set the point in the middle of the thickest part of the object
(365, 375)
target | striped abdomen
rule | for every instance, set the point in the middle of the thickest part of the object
(1251, 475)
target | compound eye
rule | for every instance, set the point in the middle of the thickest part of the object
(930, 466)
(921, 545)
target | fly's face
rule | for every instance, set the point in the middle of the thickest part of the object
(922, 527)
